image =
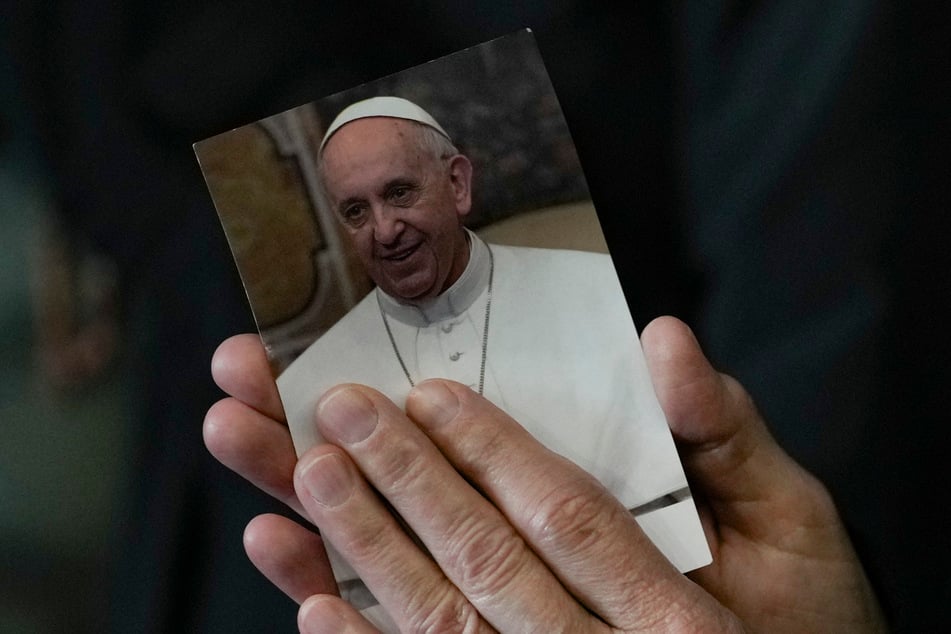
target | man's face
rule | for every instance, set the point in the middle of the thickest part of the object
(401, 206)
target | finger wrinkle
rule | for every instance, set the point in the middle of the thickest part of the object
(450, 613)
(571, 521)
(486, 557)
(400, 468)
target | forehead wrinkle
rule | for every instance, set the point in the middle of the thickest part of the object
(344, 160)
(375, 145)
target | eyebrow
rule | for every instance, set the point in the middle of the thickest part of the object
(387, 186)
(399, 181)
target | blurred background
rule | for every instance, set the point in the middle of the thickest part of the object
(773, 173)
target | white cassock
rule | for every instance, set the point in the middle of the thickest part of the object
(561, 357)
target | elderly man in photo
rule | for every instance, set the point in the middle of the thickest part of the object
(544, 334)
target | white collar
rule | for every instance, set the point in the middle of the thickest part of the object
(454, 301)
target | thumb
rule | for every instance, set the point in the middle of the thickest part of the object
(728, 453)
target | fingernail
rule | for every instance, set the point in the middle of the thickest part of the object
(346, 416)
(326, 620)
(435, 404)
(328, 480)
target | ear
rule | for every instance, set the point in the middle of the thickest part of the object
(460, 179)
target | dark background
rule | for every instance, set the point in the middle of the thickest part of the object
(773, 173)
(498, 106)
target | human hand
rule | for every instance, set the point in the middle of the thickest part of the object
(247, 433)
(486, 571)
(756, 574)
(782, 560)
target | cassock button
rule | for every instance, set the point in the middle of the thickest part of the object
(447, 328)
(455, 356)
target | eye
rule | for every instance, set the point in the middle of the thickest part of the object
(354, 215)
(402, 195)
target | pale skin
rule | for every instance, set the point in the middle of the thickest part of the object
(401, 207)
(519, 539)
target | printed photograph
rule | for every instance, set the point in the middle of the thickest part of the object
(437, 223)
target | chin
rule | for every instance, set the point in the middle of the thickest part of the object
(411, 294)
(414, 292)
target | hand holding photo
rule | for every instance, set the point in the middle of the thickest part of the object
(439, 226)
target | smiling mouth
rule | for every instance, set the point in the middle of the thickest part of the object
(401, 255)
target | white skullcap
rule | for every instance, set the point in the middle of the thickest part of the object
(395, 107)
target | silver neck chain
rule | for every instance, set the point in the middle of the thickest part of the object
(485, 329)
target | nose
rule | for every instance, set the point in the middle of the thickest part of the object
(387, 224)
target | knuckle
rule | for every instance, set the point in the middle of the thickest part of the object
(486, 447)
(401, 464)
(572, 519)
(368, 543)
(445, 613)
(485, 559)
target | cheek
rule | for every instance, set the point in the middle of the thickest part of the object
(362, 242)
(446, 231)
